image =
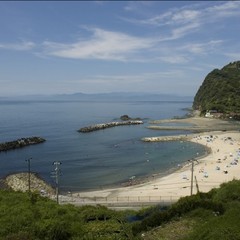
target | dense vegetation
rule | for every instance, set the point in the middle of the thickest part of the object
(24, 218)
(220, 90)
(210, 216)
(205, 216)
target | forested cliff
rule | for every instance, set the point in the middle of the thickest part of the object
(220, 90)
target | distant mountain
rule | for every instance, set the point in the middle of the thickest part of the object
(124, 96)
(220, 90)
(114, 96)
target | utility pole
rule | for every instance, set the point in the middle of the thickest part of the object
(192, 176)
(29, 174)
(57, 174)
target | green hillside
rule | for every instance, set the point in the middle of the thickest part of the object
(220, 90)
(205, 216)
(38, 218)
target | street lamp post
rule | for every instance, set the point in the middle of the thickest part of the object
(57, 174)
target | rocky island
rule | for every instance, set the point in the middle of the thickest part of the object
(100, 126)
(19, 143)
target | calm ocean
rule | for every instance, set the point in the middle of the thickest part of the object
(91, 160)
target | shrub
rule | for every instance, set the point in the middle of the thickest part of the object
(228, 192)
(183, 206)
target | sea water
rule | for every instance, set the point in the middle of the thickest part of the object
(97, 159)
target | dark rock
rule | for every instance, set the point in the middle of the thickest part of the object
(127, 118)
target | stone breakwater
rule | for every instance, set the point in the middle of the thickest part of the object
(19, 182)
(167, 138)
(107, 125)
(19, 143)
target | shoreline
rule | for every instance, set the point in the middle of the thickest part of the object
(177, 184)
(148, 178)
(211, 170)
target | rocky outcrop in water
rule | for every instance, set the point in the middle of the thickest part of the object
(19, 143)
(107, 125)
(127, 118)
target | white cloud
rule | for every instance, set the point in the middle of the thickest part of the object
(134, 78)
(171, 17)
(22, 46)
(201, 48)
(117, 46)
(226, 7)
(186, 52)
(177, 25)
(138, 7)
(105, 45)
(157, 20)
(185, 16)
(174, 58)
(185, 20)
(183, 30)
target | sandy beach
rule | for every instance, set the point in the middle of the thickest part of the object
(219, 166)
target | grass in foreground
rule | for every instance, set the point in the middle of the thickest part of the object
(206, 216)
(211, 216)
(41, 218)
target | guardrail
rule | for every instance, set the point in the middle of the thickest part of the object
(121, 201)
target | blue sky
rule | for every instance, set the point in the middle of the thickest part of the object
(114, 46)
